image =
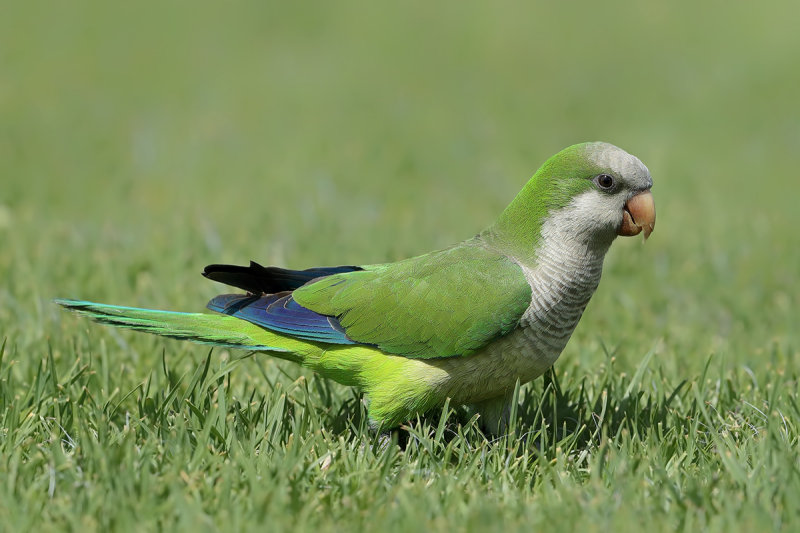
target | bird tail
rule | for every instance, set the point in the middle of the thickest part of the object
(383, 376)
(203, 328)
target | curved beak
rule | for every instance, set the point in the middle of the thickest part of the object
(639, 214)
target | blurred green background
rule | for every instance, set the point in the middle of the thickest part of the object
(141, 141)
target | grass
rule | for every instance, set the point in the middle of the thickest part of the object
(140, 143)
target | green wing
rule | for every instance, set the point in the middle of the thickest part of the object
(446, 303)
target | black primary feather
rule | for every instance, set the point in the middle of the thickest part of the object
(257, 279)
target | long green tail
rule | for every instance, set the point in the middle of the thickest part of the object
(204, 328)
(398, 386)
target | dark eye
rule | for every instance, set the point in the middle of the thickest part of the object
(605, 182)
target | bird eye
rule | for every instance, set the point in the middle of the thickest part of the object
(604, 181)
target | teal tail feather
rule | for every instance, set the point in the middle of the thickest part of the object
(204, 328)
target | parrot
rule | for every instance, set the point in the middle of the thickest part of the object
(466, 324)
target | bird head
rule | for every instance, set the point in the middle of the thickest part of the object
(588, 193)
(620, 191)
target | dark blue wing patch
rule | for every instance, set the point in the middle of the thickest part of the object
(279, 312)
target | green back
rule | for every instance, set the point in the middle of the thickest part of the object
(446, 303)
(454, 301)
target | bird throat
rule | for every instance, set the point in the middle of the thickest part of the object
(563, 277)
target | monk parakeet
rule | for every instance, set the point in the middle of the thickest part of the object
(465, 323)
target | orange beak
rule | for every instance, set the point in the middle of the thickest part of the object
(639, 215)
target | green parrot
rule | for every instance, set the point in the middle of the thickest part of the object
(465, 323)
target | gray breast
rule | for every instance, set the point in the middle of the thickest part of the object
(562, 283)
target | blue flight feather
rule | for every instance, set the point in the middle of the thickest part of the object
(279, 312)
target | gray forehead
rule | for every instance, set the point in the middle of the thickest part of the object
(620, 163)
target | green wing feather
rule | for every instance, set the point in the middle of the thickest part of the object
(446, 303)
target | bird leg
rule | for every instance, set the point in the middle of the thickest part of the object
(495, 413)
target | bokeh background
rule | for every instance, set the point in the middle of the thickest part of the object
(141, 141)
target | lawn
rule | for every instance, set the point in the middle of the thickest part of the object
(141, 141)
